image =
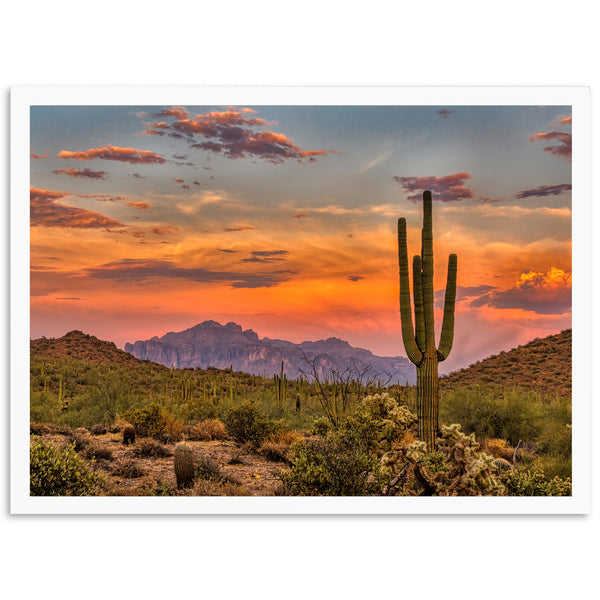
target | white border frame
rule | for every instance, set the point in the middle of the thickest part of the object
(22, 97)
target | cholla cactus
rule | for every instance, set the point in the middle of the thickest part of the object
(183, 461)
(458, 468)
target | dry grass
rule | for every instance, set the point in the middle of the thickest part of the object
(207, 430)
(498, 448)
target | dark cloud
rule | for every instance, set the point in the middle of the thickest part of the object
(137, 176)
(226, 250)
(266, 256)
(70, 298)
(355, 278)
(145, 271)
(240, 228)
(130, 155)
(233, 133)
(446, 189)
(444, 113)
(563, 147)
(82, 173)
(162, 229)
(47, 212)
(544, 190)
(102, 197)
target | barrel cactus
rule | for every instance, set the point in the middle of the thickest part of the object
(129, 434)
(184, 465)
(420, 342)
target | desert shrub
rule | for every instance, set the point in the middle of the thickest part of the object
(60, 472)
(79, 441)
(98, 429)
(204, 487)
(498, 447)
(98, 452)
(346, 461)
(207, 468)
(129, 469)
(276, 452)
(149, 448)
(246, 425)
(207, 430)
(535, 483)
(154, 421)
(147, 421)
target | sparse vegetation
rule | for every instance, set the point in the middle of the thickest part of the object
(245, 442)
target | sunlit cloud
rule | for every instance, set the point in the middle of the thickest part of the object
(38, 156)
(130, 155)
(232, 134)
(563, 120)
(138, 205)
(543, 293)
(47, 212)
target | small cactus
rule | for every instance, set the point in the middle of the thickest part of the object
(183, 461)
(129, 435)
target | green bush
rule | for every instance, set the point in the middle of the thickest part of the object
(346, 461)
(59, 472)
(246, 425)
(148, 421)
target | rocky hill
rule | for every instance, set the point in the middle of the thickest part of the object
(77, 345)
(543, 365)
(212, 344)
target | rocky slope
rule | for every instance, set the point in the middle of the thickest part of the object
(211, 344)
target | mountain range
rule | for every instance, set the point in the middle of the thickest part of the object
(210, 344)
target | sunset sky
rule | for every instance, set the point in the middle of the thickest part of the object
(149, 219)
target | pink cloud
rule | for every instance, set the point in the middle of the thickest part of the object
(563, 147)
(233, 133)
(447, 189)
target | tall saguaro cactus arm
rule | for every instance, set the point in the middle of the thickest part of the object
(420, 343)
(447, 336)
(408, 335)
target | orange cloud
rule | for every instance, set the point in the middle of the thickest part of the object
(159, 230)
(138, 205)
(130, 155)
(562, 121)
(38, 156)
(46, 212)
(543, 293)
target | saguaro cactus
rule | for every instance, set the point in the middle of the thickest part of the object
(420, 341)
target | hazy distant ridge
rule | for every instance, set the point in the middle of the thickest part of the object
(212, 344)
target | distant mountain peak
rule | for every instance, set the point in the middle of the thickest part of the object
(211, 344)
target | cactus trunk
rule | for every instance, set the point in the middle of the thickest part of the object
(420, 341)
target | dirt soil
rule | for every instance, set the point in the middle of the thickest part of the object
(241, 471)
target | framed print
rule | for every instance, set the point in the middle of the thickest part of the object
(268, 300)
